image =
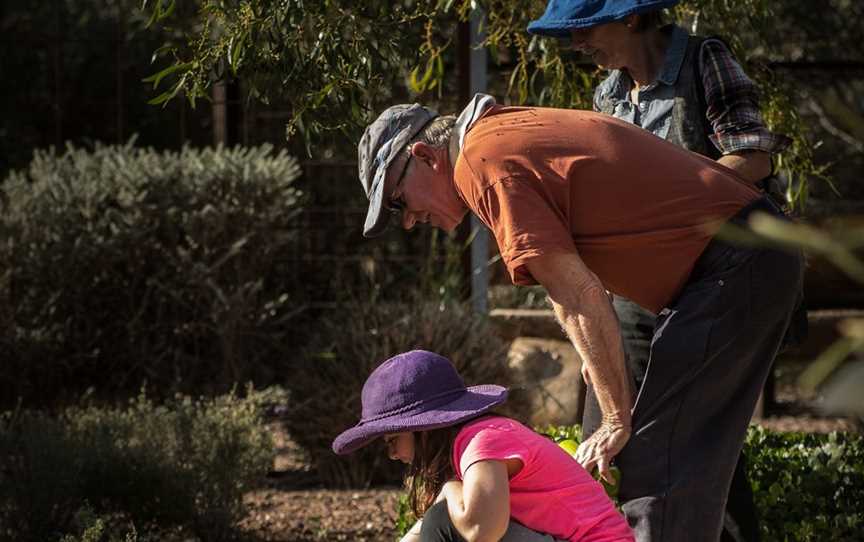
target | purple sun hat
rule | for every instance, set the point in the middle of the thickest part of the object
(415, 391)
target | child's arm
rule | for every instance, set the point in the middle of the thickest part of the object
(479, 506)
(413, 534)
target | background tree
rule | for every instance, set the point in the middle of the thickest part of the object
(335, 64)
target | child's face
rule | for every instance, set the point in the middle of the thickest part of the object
(400, 446)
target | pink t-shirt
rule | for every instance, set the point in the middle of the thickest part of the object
(552, 493)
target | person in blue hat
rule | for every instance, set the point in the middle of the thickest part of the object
(692, 92)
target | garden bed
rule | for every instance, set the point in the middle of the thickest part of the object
(294, 507)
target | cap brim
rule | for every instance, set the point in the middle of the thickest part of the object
(475, 401)
(377, 217)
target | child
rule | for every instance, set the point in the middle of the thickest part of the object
(475, 475)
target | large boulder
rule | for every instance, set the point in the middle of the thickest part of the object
(547, 381)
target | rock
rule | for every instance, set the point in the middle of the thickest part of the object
(547, 382)
(513, 323)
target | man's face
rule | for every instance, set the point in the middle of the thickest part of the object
(606, 44)
(425, 193)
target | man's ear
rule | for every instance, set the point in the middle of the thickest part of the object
(426, 153)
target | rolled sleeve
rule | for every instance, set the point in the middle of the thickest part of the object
(733, 104)
(525, 223)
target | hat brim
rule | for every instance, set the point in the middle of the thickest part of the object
(377, 217)
(560, 28)
(474, 401)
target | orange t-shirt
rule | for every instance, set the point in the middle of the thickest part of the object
(638, 210)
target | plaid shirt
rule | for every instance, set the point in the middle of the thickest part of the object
(731, 98)
(733, 104)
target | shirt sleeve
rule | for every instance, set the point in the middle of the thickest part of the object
(492, 444)
(732, 100)
(525, 223)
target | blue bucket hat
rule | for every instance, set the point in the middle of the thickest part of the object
(562, 16)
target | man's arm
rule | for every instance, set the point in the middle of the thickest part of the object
(583, 308)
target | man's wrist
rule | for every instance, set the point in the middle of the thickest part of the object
(617, 420)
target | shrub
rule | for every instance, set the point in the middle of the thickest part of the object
(93, 528)
(124, 264)
(807, 487)
(325, 383)
(185, 462)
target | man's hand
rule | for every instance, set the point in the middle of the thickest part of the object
(601, 447)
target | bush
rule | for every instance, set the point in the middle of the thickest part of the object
(325, 383)
(93, 528)
(183, 463)
(124, 264)
(807, 487)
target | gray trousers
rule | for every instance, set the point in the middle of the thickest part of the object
(710, 355)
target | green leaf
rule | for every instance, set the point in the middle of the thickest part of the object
(164, 97)
(828, 361)
(155, 16)
(413, 83)
(157, 77)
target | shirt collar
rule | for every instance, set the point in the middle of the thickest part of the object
(674, 56)
(475, 109)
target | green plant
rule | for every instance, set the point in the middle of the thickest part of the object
(807, 487)
(122, 264)
(560, 433)
(405, 518)
(182, 463)
(842, 248)
(348, 343)
(361, 64)
(93, 528)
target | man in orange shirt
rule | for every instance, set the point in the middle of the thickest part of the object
(585, 204)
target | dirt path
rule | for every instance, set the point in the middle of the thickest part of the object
(314, 515)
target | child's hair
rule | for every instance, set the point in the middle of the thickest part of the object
(433, 464)
(431, 468)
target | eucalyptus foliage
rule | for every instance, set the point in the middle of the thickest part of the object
(842, 248)
(334, 64)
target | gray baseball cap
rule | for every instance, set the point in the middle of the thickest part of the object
(381, 143)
